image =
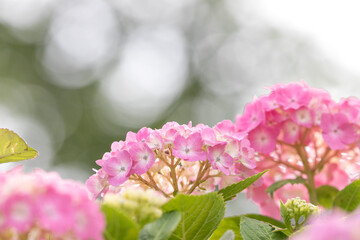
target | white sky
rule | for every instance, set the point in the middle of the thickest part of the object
(333, 26)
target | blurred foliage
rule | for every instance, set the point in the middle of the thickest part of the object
(229, 55)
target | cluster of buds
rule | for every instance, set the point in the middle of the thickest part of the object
(297, 208)
(175, 159)
(141, 205)
(298, 131)
(41, 205)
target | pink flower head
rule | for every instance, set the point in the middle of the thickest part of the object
(19, 212)
(189, 148)
(337, 131)
(292, 95)
(88, 223)
(219, 159)
(118, 167)
(54, 212)
(143, 158)
(263, 139)
(331, 226)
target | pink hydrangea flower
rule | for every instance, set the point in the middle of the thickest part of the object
(143, 158)
(219, 159)
(175, 158)
(42, 204)
(296, 130)
(118, 167)
(332, 226)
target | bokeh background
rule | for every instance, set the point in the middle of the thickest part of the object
(76, 75)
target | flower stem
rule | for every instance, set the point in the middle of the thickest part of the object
(309, 173)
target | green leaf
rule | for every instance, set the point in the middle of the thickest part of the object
(118, 225)
(326, 195)
(200, 215)
(276, 185)
(252, 229)
(162, 228)
(348, 199)
(285, 217)
(271, 221)
(231, 191)
(13, 148)
(229, 223)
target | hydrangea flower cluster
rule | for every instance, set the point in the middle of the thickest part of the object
(41, 205)
(175, 158)
(141, 205)
(301, 131)
(331, 227)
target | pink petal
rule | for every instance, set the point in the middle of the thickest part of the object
(209, 136)
(263, 139)
(303, 116)
(143, 134)
(291, 131)
(252, 117)
(195, 142)
(118, 165)
(143, 158)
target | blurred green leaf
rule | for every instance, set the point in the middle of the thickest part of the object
(13, 148)
(276, 185)
(162, 228)
(118, 225)
(200, 215)
(252, 229)
(348, 199)
(263, 218)
(231, 191)
(229, 223)
(326, 195)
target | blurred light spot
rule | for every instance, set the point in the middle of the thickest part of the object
(152, 11)
(82, 40)
(23, 14)
(150, 75)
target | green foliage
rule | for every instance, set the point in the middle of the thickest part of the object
(13, 148)
(200, 215)
(348, 199)
(231, 191)
(276, 185)
(326, 195)
(286, 217)
(229, 223)
(162, 228)
(118, 225)
(252, 229)
(271, 221)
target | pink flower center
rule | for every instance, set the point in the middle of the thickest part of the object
(20, 212)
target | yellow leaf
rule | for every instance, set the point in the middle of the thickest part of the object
(13, 148)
